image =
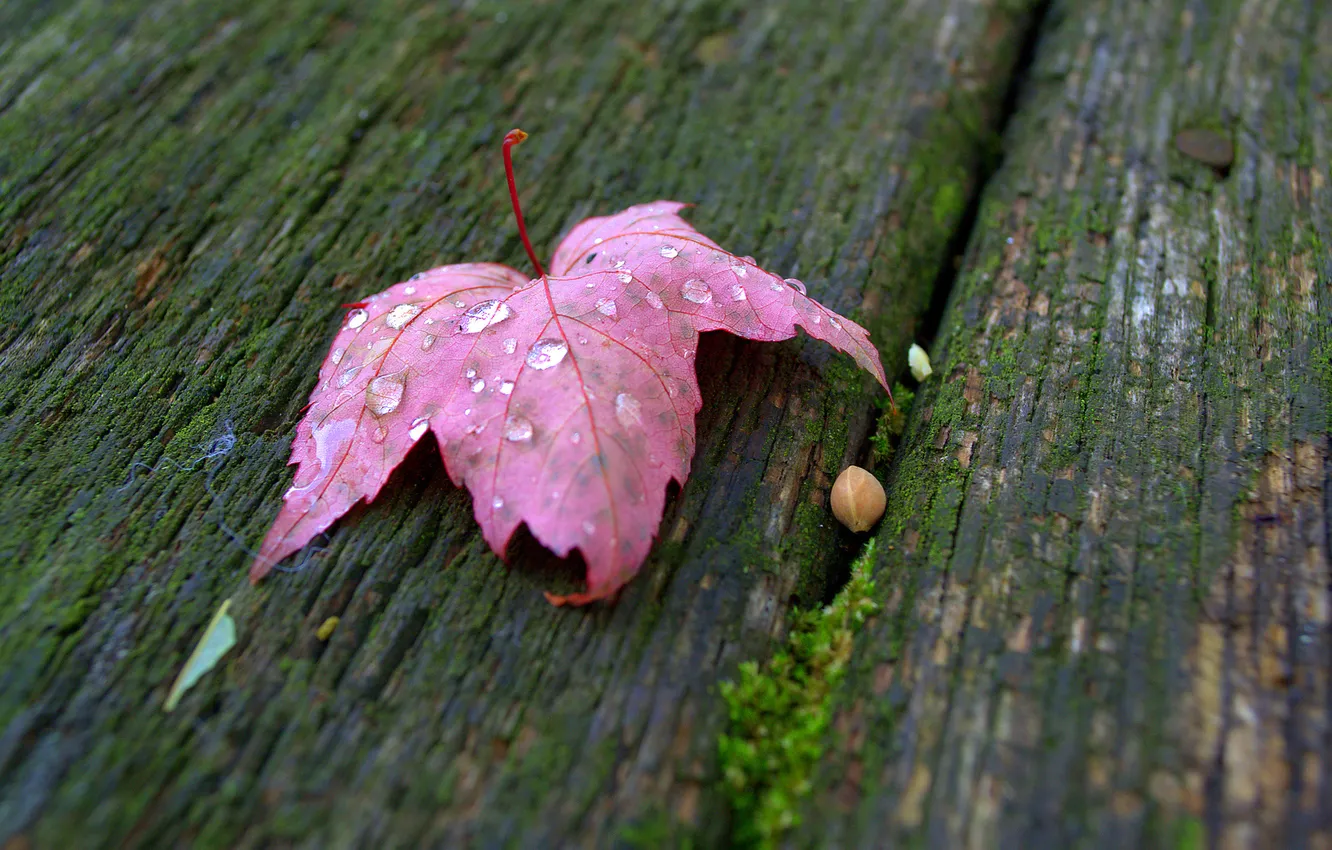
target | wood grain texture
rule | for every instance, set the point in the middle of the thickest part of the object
(1105, 565)
(189, 190)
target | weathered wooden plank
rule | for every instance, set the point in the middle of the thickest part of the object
(1104, 571)
(188, 192)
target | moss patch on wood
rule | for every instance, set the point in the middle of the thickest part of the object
(779, 712)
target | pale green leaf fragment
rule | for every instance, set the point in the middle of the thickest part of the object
(217, 639)
(919, 362)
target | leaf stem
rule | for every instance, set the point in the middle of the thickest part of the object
(516, 137)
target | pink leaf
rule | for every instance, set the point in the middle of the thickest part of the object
(566, 402)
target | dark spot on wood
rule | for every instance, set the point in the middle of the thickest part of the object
(1206, 146)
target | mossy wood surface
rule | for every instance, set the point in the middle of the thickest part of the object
(1104, 570)
(188, 192)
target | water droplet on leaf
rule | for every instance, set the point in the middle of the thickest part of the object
(796, 285)
(546, 353)
(401, 315)
(478, 385)
(509, 345)
(696, 291)
(356, 318)
(628, 410)
(670, 252)
(738, 292)
(653, 300)
(517, 429)
(385, 393)
(606, 307)
(482, 315)
(419, 427)
(507, 387)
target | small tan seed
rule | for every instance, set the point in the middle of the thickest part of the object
(857, 499)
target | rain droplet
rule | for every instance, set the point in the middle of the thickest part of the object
(467, 412)
(628, 410)
(417, 276)
(588, 528)
(696, 291)
(380, 434)
(497, 503)
(598, 241)
(337, 356)
(401, 315)
(409, 290)
(835, 323)
(774, 286)
(546, 353)
(796, 285)
(582, 340)
(419, 427)
(356, 318)
(817, 318)
(590, 285)
(606, 307)
(427, 340)
(739, 268)
(345, 378)
(738, 292)
(478, 385)
(473, 430)
(575, 438)
(384, 393)
(482, 316)
(625, 277)
(653, 300)
(470, 373)
(506, 388)
(460, 303)
(517, 429)
(509, 345)
(670, 252)
(618, 264)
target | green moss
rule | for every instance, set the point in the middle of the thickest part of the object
(1189, 834)
(656, 829)
(779, 714)
(949, 201)
(891, 424)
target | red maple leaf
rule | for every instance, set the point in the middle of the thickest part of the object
(565, 402)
